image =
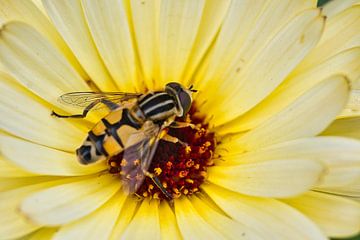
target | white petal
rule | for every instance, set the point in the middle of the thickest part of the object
(347, 127)
(275, 178)
(338, 217)
(97, 225)
(64, 203)
(69, 20)
(26, 11)
(109, 26)
(38, 159)
(12, 223)
(237, 87)
(338, 155)
(346, 62)
(191, 224)
(168, 223)
(36, 64)
(269, 217)
(307, 116)
(31, 120)
(145, 223)
(334, 7)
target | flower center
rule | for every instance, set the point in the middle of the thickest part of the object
(180, 169)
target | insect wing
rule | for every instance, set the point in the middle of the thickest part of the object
(84, 99)
(138, 154)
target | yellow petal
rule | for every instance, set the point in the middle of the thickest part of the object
(145, 223)
(12, 223)
(109, 26)
(26, 11)
(323, 149)
(69, 20)
(213, 15)
(42, 234)
(9, 183)
(238, 88)
(351, 190)
(179, 24)
(352, 108)
(336, 6)
(191, 224)
(36, 64)
(338, 217)
(97, 225)
(225, 225)
(275, 178)
(341, 33)
(126, 215)
(168, 224)
(269, 217)
(39, 159)
(346, 62)
(8, 169)
(347, 127)
(24, 116)
(307, 116)
(64, 203)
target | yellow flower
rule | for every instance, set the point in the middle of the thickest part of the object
(272, 76)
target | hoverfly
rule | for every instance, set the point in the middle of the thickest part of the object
(133, 127)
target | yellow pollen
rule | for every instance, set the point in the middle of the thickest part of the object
(210, 162)
(137, 162)
(169, 164)
(123, 163)
(156, 195)
(145, 194)
(190, 163)
(188, 180)
(202, 150)
(183, 174)
(150, 187)
(203, 174)
(197, 166)
(186, 191)
(176, 191)
(207, 144)
(164, 184)
(187, 149)
(113, 164)
(157, 171)
(195, 190)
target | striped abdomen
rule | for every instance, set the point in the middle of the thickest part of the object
(107, 137)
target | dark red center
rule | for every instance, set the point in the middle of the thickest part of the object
(180, 169)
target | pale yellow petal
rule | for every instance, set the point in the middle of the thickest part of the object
(179, 24)
(42, 234)
(239, 89)
(69, 20)
(222, 223)
(338, 155)
(269, 217)
(337, 216)
(126, 215)
(351, 190)
(334, 7)
(9, 183)
(9, 170)
(97, 225)
(12, 223)
(39, 159)
(146, 18)
(346, 62)
(346, 127)
(26, 11)
(24, 116)
(275, 178)
(352, 108)
(191, 224)
(65, 203)
(145, 223)
(109, 26)
(168, 223)
(341, 33)
(307, 116)
(213, 15)
(36, 64)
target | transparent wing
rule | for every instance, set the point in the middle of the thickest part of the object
(138, 154)
(84, 99)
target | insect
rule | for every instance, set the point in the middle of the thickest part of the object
(133, 127)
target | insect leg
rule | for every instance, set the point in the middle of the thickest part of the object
(172, 139)
(158, 184)
(83, 115)
(176, 124)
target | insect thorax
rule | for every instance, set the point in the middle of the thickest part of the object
(155, 106)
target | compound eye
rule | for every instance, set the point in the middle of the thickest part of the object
(185, 101)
